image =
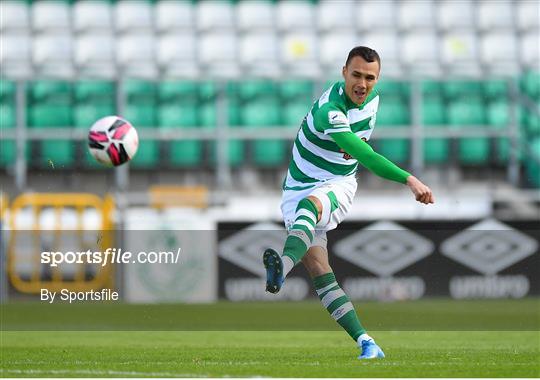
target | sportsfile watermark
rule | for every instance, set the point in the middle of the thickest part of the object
(109, 256)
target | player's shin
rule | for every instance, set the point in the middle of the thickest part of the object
(300, 235)
(338, 304)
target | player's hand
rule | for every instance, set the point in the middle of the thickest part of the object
(421, 192)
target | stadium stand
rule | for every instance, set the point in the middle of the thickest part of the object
(178, 108)
(92, 15)
(50, 105)
(174, 55)
(7, 121)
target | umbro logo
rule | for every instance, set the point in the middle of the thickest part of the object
(489, 246)
(245, 247)
(384, 248)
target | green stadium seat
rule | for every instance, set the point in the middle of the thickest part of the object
(532, 124)
(181, 153)
(7, 116)
(50, 106)
(141, 103)
(178, 103)
(141, 111)
(208, 117)
(529, 122)
(496, 89)
(236, 153)
(87, 114)
(208, 105)
(436, 150)
(294, 112)
(185, 153)
(207, 90)
(252, 89)
(530, 84)
(394, 110)
(233, 104)
(147, 155)
(469, 111)
(466, 111)
(431, 88)
(498, 113)
(433, 111)
(178, 115)
(8, 152)
(269, 153)
(396, 150)
(390, 88)
(178, 91)
(295, 90)
(532, 167)
(7, 104)
(502, 149)
(456, 89)
(296, 100)
(57, 154)
(7, 91)
(178, 107)
(50, 115)
(264, 111)
(94, 100)
(473, 150)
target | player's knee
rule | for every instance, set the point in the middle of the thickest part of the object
(317, 203)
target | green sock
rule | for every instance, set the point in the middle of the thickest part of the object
(338, 304)
(301, 233)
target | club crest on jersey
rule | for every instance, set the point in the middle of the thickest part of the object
(347, 156)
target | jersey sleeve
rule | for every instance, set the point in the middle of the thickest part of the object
(331, 119)
(368, 158)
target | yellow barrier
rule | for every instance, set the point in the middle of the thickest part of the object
(57, 280)
(162, 196)
(4, 204)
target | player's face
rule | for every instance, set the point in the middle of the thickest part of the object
(360, 78)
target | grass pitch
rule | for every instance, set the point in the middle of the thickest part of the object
(324, 351)
(268, 353)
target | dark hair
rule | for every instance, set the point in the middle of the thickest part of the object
(368, 54)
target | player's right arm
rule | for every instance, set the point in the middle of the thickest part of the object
(380, 165)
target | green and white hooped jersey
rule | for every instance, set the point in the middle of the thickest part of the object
(316, 158)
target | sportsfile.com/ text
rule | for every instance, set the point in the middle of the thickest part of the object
(110, 255)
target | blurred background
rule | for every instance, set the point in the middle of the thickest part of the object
(217, 91)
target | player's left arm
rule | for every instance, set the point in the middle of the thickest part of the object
(380, 165)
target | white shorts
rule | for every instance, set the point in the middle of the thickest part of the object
(343, 190)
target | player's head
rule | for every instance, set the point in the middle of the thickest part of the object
(361, 72)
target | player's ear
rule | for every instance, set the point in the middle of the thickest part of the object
(344, 71)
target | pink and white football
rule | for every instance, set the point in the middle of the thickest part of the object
(113, 141)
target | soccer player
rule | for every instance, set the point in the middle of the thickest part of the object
(320, 185)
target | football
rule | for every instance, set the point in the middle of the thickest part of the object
(113, 141)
